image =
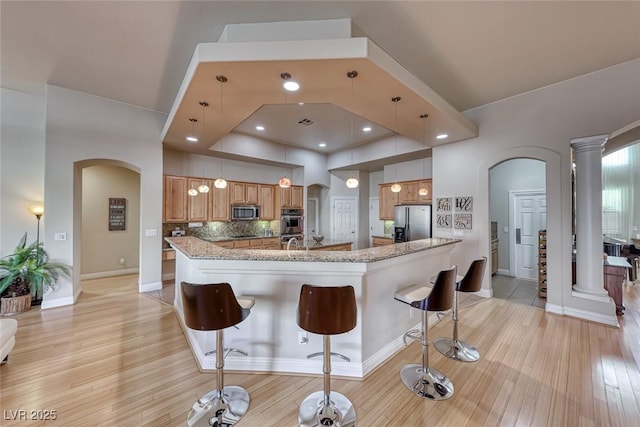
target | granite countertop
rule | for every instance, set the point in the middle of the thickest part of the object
(227, 238)
(383, 236)
(195, 248)
(617, 261)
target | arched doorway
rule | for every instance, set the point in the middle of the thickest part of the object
(517, 212)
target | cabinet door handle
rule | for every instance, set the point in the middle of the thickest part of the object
(518, 239)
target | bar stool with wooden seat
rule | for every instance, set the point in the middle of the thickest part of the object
(422, 379)
(214, 307)
(453, 348)
(327, 311)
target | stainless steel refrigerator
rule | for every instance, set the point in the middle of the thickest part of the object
(412, 222)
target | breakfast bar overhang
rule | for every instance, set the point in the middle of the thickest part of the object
(271, 336)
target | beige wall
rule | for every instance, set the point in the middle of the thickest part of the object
(103, 249)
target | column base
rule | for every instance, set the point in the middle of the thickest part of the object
(598, 293)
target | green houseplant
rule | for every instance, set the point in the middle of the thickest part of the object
(28, 271)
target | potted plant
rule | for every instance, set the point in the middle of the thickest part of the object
(25, 272)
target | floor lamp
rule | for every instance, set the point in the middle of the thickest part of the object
(38, 211)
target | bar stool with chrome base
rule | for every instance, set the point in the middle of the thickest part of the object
(453, 348)
(327, 311)
(422, 379)
(214, 307)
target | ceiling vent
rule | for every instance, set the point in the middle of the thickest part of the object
(306, 122)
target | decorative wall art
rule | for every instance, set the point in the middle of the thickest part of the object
(464, 204)
(117, 214)
(443, 204)
(443, 220)
(462, 221)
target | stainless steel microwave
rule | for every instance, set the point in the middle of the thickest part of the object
(245, 212)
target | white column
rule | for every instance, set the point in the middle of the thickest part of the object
(589, 249)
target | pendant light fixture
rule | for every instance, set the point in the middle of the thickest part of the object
(352, 182)
(192, 138)
(396, 188)
(284, 181)
(220, 182)
(423, 191)
(203, 188)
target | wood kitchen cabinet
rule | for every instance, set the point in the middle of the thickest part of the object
(243, 193)
(198, 205)
(219, 208)
(292, 197)
(425, 183)
(267, 202)
(388, 200)
(175, 199)
(409, 193)
(494, 257)
(381, 241)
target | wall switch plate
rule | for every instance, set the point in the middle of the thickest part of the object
(60, 236)
(150, 232)
(505, 230)
(303, 338)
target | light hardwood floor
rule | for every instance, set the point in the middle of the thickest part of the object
(118, 358)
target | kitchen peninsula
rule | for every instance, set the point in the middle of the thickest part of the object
(270, 334)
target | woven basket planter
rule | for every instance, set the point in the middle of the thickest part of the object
(14, 305)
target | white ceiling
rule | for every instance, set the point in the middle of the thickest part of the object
(470, 53)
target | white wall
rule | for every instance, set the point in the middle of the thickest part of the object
(512, 175)
(82, 130)
(22, 141)
(539, 125)
(408, 171)
(103, 249)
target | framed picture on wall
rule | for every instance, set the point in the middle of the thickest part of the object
(117, 213)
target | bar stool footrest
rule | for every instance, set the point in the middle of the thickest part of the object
(414, 334)
(429, 383)
(226, 410)
(338, 355)
(227, 351)
(457, 350)
(312, 412)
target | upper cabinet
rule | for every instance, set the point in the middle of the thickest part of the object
(408, 195)
(425, 183)
(175, 199)
(219, 209)
(244, 193)
(388, 199)
(198, 205)
(292, 197)
(267, 202)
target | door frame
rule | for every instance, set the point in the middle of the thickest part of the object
(356, 213)
(316, 212)
(512, 223)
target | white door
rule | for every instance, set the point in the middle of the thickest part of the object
(530, 217)
(376, 225)
(344, 220)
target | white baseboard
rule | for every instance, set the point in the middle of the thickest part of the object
(148, 287)
(60, 302)
(484, 293)
(113, 273)
(593, 317)
(502, 272)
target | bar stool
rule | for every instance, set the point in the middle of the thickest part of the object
(422, 379)
(327, 310)
(214, 307)
(453, 348)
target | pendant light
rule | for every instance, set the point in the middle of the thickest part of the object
(203, 188)
(423, 191)
(284, 181)
(352, 182)
(220, 182)
(396, 188)
(192, 191)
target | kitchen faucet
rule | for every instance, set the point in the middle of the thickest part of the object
(294, 241)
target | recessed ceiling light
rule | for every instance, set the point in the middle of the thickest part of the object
(259, 127)
(192, 139)
(366, 129)
(300, 103)
(322, 144)
(442, 136)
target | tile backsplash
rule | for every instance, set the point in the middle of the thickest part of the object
(222, 229)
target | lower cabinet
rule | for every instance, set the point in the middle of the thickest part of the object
(267, 243)
(382, 241)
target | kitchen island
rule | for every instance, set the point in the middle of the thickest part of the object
(270, 334)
